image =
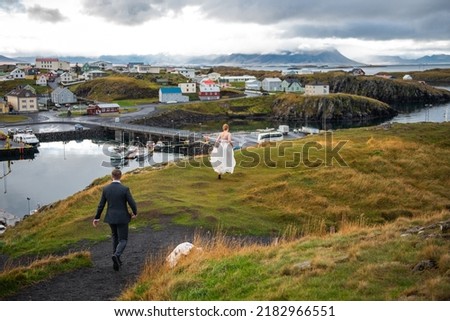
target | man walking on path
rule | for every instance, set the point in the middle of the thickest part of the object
(117, 216)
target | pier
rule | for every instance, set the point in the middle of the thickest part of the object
(15, 152)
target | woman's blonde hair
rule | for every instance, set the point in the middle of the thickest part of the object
(225, 127)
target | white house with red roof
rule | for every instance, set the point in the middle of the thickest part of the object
(208, 90)
(52, 64)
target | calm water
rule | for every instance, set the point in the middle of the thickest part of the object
(369, 70)
(58, 171)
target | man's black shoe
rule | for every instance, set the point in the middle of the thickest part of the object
(116, 263)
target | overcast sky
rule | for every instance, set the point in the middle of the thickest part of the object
(357, 28)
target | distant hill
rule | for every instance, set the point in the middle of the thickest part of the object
(4, 59)
(324, 57)
(331, 57)
(433, 59)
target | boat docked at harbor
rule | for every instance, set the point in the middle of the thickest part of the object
(124, 152)
(26, 138)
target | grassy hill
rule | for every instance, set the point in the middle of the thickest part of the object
(433, 76)
(369, 185)
(117, 88)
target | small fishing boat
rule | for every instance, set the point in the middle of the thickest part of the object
(26, 138)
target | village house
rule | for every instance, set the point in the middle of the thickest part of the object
(171, 94)
(188, 87)
(231, 79)
(188, 73)
(31, 71)
(145, 69)
(292, 86)
(52, 64)
(103, 109)
(131, 65)
(317, 89)
(94, 74)
(22, 100)
(23, 65)
(63, 96)
(86, 67)
(66, 77)
(6, 68)
(208, 90)
(100, 65)
(30, 88)
(271, 84)
(253, 85)
(17, 74)
(214, 76)
(357, 72)
(41, 80)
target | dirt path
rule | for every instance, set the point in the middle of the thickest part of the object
(101, 282)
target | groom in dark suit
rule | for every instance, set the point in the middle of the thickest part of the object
(117, 216)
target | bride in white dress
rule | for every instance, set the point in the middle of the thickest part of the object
(222, 155)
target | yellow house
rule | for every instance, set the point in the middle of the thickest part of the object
(22, 100)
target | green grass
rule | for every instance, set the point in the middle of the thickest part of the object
(367, 183)
(382, 175)
(231, 107)
(135, 102)
(14, 279)
(359, 264)
(12, 118)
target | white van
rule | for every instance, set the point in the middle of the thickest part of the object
(284, 129)
(274, 136)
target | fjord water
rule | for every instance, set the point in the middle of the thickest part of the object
(58, 171)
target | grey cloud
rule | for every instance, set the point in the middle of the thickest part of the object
(420, 29)
(44, 14)
(12, 5)
(125, 12)
(380, 19)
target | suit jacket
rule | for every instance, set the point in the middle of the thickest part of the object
(117, 196)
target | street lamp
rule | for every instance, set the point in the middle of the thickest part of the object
(29, 210)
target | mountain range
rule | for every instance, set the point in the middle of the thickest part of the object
(331, 57)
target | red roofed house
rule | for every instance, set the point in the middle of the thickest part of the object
(103, 109)
(52, 64)
(208, 90)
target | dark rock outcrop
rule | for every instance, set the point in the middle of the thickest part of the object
(330, 108)
(388, 90)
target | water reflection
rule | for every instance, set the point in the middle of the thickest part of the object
(59, 170)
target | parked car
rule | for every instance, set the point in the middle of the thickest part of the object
(78, 127)
(273, 136)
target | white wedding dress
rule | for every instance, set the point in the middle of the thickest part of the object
(222, 158)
